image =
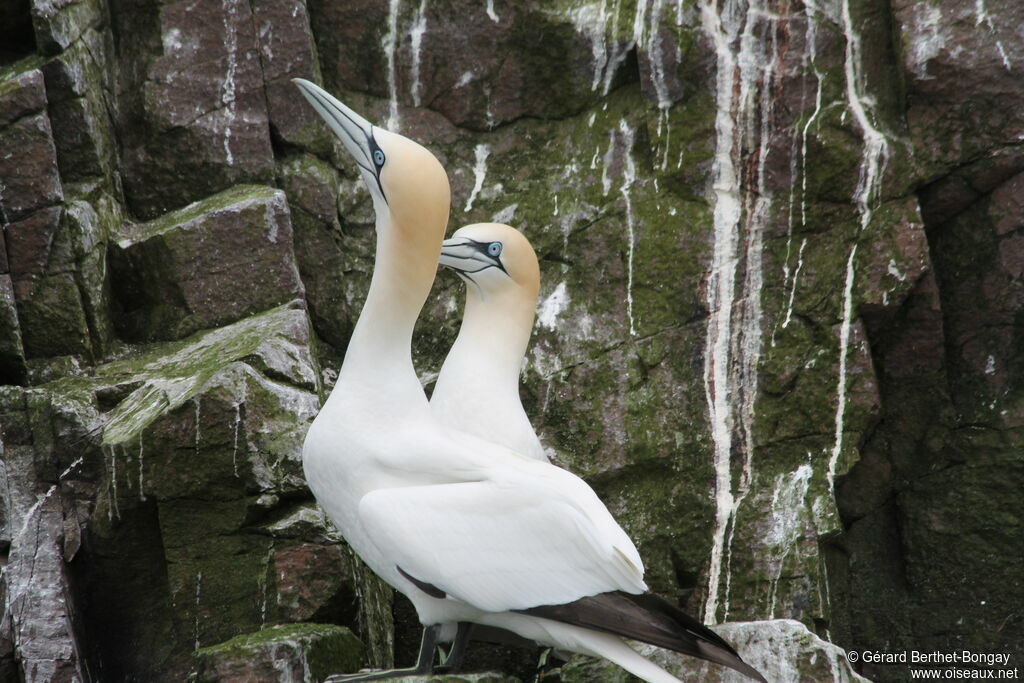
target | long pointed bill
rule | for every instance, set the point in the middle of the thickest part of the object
(466, 256)
(355, 132)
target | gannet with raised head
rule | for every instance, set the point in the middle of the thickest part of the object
(471, 532)
(477, 390)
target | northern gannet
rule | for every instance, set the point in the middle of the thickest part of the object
(470, 531)
(477, 390)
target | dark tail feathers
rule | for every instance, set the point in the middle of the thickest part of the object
(649, 619)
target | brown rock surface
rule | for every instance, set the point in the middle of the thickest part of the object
(206, 265)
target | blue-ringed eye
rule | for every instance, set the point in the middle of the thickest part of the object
(494, 249)
(378, 157)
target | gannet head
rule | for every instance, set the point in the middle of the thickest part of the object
(495, 261)
(408, 184)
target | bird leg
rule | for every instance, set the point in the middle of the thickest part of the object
(452, 661)
(424, 663)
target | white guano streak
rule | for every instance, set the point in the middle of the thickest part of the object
(656, 56)
(591, 21)
(733, 341)
(270, 214)
(756, 66)
(810, 41)
(628, 178)
(17, 572)
(983, 17)
(803, 150)
(389, 43)
(663, 119)
(419, 28)
(552, 307)
(600, 23)
(876, 148)
(844, 346)
(721, 284)
(639, 19)
(609, 156)
(787, 508)
(491, 13)
(264, 584)
(227, 96)
(614, 56)
(796, 277)
(479, 173)
(872, 166)
(42, 499)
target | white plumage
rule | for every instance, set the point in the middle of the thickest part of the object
(467, 529)
(477, 390)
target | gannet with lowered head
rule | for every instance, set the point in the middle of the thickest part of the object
(471, 532)
(477, 390)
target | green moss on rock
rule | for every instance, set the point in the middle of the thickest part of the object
(137, 232)
(298, 651)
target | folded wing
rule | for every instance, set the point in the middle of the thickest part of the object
(500, 545)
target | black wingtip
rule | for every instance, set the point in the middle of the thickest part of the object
(649, 619)
(656, 604)
(712, 646)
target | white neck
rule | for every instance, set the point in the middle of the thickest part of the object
(378, 362)
(491, 343)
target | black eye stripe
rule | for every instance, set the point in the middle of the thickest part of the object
(375, 150)
(376, 153)
(491, 260)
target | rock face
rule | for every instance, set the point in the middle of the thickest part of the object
(298, 652)
(199, 267)
(782, 270)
